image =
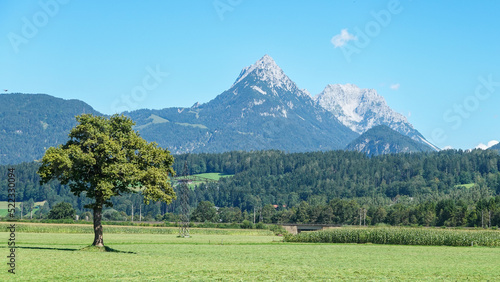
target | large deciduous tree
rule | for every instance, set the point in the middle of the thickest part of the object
(105, 157)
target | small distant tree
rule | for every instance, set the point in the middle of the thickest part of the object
(43, 210)
(205, 211)
(62, 211)
(112, 214)
(246, 224)
(105, 157)
(30, 205)
(86, 215)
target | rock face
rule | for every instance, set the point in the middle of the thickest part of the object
(381, 140)
(362, 109)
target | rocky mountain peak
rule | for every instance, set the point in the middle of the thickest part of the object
(359, 109)
(267, 70)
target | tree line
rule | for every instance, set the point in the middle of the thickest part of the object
(447, 188)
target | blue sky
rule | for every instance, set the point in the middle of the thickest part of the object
(436, 62)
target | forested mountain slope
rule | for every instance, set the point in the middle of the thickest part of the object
(381, 140)
(31, 123)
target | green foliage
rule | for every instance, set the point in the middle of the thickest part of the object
(260, 225)
(62, 211)
(277, 230)
(231, 214)
(246, 224)
(112, 214)
(400, 236)
(402, 189)
(205, 211)
(105, 158)
(272, 177)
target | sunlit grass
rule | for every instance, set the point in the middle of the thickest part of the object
(164, 257)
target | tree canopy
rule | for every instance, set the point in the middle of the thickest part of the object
(106, 157)
(62, 211)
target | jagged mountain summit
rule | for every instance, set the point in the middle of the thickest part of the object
(362, 109)
(381, 140)
(267, 70)
(263, 109)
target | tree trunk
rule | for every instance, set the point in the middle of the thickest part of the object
(98, 240)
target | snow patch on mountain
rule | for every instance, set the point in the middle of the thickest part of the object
(362, 109)
(258, 102)
(487, 146)
(422, 139)
(268, 71)
(358, 109)
(258, 89)
(278, 111)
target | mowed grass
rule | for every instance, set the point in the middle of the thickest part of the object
(3, 208)
(467, 186)
(164, 257)
(5, 204)
(213, 176)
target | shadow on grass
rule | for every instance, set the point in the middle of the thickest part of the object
(85, 249)
(102, 249)
(45, 248)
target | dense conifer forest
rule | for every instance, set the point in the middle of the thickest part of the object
(447, 188)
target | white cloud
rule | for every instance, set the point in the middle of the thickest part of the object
(394, 86)
(341, 39)
(448, 148)
(490, 144)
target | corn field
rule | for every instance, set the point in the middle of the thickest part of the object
(401, 236)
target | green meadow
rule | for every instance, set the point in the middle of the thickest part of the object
(210, 176)
(4, 207)
(254, 255)
(213, 176)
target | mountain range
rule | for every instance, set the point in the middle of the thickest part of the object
(496, 147)
(381, 139)
(263, 109)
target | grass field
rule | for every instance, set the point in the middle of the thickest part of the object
(213, 176)
(164, 257)
(467, 186)
(4, 207)
(117, 229)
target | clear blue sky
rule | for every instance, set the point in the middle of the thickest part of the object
(426, 59)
